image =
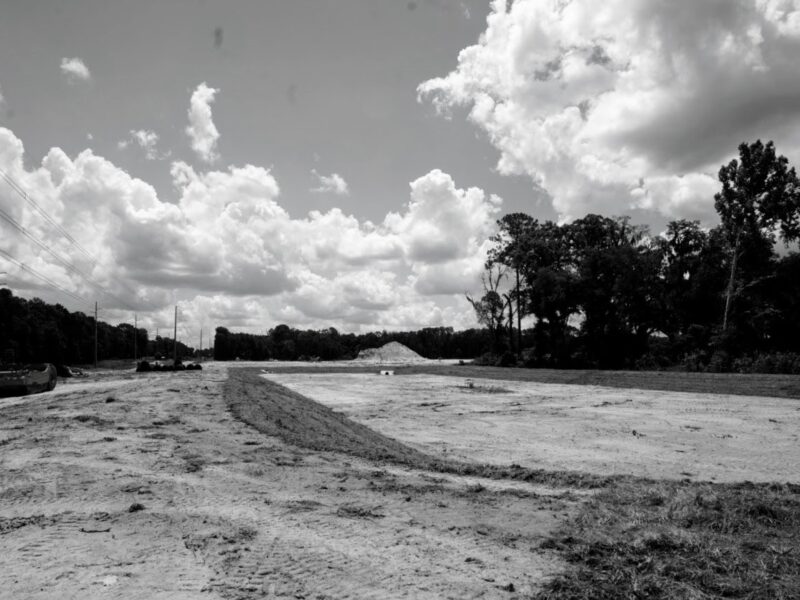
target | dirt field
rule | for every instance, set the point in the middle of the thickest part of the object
(153, 486)
(570, 427)
(145, 486)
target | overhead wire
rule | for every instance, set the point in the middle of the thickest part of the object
(44, 278)
(65, 263)
(23, 194)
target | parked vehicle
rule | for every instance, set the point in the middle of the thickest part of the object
(20, 380)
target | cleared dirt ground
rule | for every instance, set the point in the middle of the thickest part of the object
(602, 430)
(145, 486)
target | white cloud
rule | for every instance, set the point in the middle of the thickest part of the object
(201, 130)
(441, 222)
(147, 140)
(629, 104)
(232, 255)
(330, 184)
(75, 70)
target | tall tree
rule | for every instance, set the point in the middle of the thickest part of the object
(760, 194)
(490, 308)
(617, 267)
(512, 247)
(691, 275)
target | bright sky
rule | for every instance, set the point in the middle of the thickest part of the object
(342, 162)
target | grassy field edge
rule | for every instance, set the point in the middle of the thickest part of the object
(738, 384)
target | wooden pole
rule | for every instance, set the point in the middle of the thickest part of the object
(175, 340)
(95, 335)
(201, 341)
(135, 335)
(519, 317)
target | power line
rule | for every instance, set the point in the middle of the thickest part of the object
(24, 195)
(44, 278)
(4, 215)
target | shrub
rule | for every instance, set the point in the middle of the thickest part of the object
(507, 359)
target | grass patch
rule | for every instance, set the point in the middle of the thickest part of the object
(93, 419)
(665, 540)
(358, 512)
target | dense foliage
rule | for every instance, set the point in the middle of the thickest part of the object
(606, 293)
(285, 343)
(34, 331)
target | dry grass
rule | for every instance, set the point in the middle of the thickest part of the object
(665, 540)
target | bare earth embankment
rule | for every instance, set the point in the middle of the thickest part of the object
(637, 537)
(148, 487)
(566, 427)
(201, 485)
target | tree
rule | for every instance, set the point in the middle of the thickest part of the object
(691, 275)
(617, 269)
(511, 250)
(760, 194)
(490, 308)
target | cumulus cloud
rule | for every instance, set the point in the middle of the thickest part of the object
(442, 222)
(231, 254)
(330, 184)
(629, 104)
(75, 70)
(147, 141)
(202, 132)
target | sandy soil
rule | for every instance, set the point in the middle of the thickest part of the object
(144, 486)
(585, 428)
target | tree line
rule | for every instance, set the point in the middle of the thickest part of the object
(286, 343)
(605, 293)
(600, 292)
(34, 331)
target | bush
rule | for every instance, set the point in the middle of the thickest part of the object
(695, 362)
(787, 363)
(720, 362)
(507, 359)
(486, 360)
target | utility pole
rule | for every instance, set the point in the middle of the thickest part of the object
(519, 316)
(201, 342)
(95, 335)
(135, 332)
(175, 340)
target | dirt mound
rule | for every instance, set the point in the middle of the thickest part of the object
(393, 352)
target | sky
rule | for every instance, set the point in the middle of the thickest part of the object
(343, 162)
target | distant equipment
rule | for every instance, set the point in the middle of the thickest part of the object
(28, 379)
(387, 372)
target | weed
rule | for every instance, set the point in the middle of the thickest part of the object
(358, 512)
(681, 540)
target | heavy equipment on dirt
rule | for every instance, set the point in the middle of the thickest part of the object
(21, 380)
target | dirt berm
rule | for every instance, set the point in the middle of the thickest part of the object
(276, 410)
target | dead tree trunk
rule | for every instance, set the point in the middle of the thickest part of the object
(731, 283)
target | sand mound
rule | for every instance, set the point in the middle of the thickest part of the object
(393, 352)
